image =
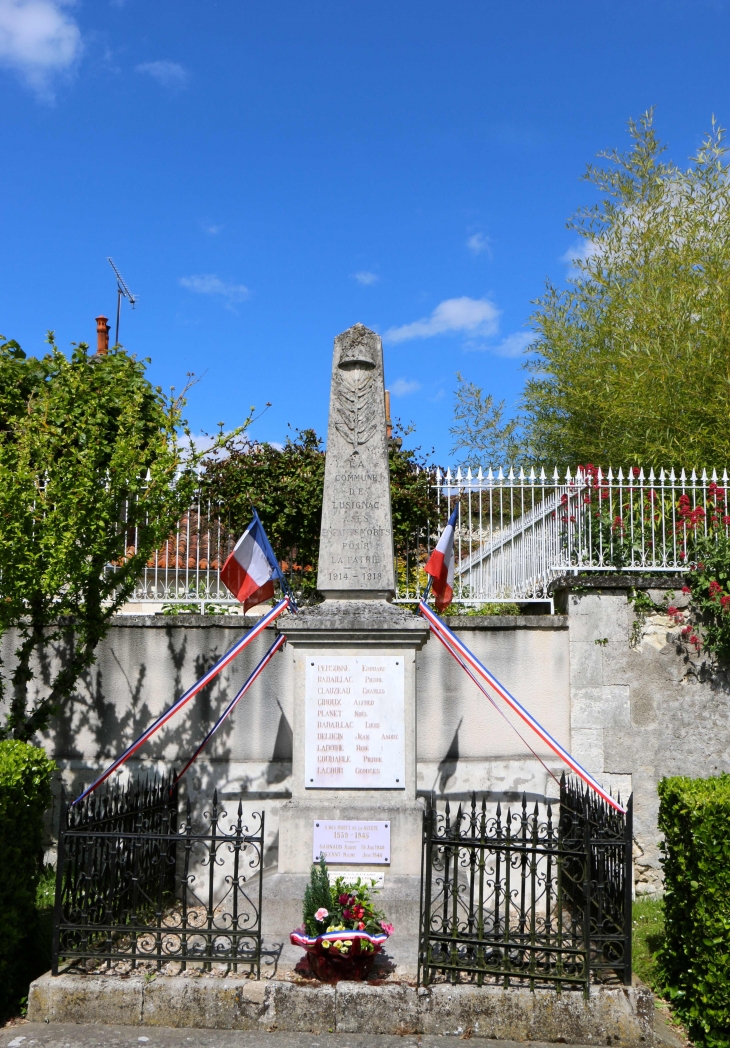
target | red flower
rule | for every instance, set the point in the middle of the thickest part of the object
(671, 610)
(586, 500)
(347, 915)
(572, 520)
(358, 912)
(635, 470)
(686, 631)
(361, 926)
(686, 589)
(726, 519)
(604, 495)
(715, 588)
(564, 500)
(725, 602)
(343, 899)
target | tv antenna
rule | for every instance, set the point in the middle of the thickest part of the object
(122, 292)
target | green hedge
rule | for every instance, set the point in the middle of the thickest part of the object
(694, 963)
(25, 793)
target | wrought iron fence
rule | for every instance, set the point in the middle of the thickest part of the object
(527, 898)
(137, 886)
(518, 532)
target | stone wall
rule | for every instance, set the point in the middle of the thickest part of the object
(463, 743)
(641, 708)
(628, 703)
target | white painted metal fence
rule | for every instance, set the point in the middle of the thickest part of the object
(520, 531)
(516, 533)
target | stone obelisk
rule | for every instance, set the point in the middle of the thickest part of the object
(356, 545)
(353, 663)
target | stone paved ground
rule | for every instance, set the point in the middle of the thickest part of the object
(66, 1035)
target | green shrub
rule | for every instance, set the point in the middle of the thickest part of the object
(694, 962)
(25, 793)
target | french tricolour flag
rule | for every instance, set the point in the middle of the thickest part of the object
(252, 569)
(440, 564)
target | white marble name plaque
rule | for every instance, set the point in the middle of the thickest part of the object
(366, 842)
(354, 732)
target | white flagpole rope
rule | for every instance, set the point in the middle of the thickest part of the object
(189, 694)
(440, 627)
(278, 643)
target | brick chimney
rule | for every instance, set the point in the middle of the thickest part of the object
(102, 336)
(388, 423)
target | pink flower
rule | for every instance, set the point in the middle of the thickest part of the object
(321, 914)
(361, 926)
(387, 928)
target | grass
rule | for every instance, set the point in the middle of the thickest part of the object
(46, 891)
(648, 935)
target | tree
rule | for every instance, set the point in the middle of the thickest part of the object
(286, 486)
(93, 477)
(633, 357)
(480, 433)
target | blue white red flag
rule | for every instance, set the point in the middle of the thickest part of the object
(440, 564)
(252, 569)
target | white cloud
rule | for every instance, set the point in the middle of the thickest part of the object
(40, 40)
(366, 278)
(210, 284)
(514, 345)
(478, 243)
(579, 252)
(211, 228)
(169, 74)
(473, 316)
(403, 386)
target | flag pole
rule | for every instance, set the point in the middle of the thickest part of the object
(221, 664)
(278, 643)
(440, 627)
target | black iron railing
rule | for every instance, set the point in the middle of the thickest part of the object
(136, 885)
(534, 897)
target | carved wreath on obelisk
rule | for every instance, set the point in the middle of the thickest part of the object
(356, 418)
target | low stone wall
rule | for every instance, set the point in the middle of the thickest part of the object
(617, 1016)
(618, 692)
(147, 660)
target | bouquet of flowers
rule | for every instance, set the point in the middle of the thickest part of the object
(342, 930)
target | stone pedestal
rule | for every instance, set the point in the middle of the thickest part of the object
(353, 628)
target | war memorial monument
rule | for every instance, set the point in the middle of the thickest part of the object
(353, 793)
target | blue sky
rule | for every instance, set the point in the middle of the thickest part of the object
(266, 175)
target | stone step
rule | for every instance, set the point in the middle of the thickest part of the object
(618, 1015)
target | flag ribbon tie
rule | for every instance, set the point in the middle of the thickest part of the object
(463, 656)
(213, 672)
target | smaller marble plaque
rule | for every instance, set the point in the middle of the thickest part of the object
(360, 842)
